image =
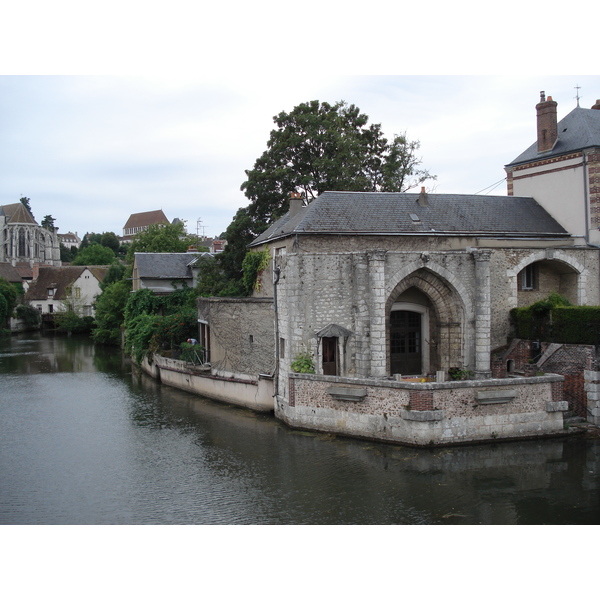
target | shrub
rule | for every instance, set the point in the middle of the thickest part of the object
(303, 363)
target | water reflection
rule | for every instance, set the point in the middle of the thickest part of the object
(86, 439)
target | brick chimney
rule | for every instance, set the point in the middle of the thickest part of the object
(547, 130)
(296, 203)
(597, 105)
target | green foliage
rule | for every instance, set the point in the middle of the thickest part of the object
(110, 240)
(159, 323)
(254, 263)
(110, 312)
(303, 363)
(170, 237)
(554, 300)
(48, 223)
(26, 202)
(116, 272)
(318, 147)
(156, 333)
(94, 254)
(67, 255)
(458, 374)
(9, 292)
(213, 279)
(140, 302)
(30, 316)
(555, 320)
(140, 331)
(191, 353)
(4, 314)
(69, 321)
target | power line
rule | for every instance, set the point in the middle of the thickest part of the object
(493, 186)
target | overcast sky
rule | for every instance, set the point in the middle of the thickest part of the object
(123, 107)
(91, 150)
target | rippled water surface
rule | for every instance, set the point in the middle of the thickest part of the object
(86, 440)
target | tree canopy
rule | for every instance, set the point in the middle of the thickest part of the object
(161, 238)
(26, 202)
(94, 254)
(48, 222)
(315, 148)
(319, 147)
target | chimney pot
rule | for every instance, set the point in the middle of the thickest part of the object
(296, 203)
(597, 105)
(547, 123)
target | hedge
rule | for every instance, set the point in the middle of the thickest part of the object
(560, 324)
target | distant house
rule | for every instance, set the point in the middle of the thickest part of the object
(139, 222)
(23, 242)
(68, 240)
(217, 245)
(57, 287)
(10, 273)
(163, 272)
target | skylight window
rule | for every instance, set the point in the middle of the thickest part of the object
(414, 217)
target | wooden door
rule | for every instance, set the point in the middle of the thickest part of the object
(330, 355)
(405, 342)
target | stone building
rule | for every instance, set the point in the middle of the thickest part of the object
(138, 222)
(388, 291)
(23, 242)
(387, 284)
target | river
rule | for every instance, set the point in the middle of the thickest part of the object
(87, 439)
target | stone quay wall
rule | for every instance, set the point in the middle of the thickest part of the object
(423, 414)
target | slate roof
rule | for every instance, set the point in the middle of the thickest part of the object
(10, 273)
(144, 219)
(59, 278)
(166, 265)
(391, 213)
(17, 213)
(578, 130)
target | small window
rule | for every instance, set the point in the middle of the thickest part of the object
(251, 339)
(50, 292)
(528, 278)
(281, 348)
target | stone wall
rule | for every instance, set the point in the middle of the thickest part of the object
(569, 360)
(241, 334)
(425, 414)
(356, 289)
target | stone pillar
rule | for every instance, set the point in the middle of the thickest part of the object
(377, 333)
(362, 320)
(483, 311)
(592, 392)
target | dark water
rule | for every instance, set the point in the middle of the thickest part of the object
(84, 440)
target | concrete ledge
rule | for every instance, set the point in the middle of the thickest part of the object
(562, 406)
(422, 415)
(349, 394)
(495, 397)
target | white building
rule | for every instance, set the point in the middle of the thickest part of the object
(55, 289)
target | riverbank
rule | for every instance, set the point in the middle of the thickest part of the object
(406, 413)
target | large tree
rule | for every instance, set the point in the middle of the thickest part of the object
(319, 147)
(314, 148)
